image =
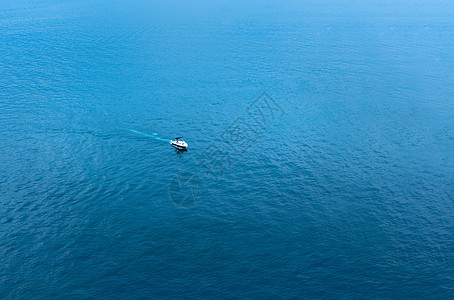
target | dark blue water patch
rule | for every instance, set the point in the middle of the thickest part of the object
(347, 191)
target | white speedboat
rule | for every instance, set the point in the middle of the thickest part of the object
(179, 144)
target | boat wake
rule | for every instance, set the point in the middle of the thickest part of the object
(154, 135)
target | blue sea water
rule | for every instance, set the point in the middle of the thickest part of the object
(340, 186)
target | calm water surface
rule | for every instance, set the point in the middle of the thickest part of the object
(346, 191)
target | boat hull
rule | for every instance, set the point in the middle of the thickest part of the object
(179, 145)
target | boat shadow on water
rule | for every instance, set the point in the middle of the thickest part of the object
(179, 151)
